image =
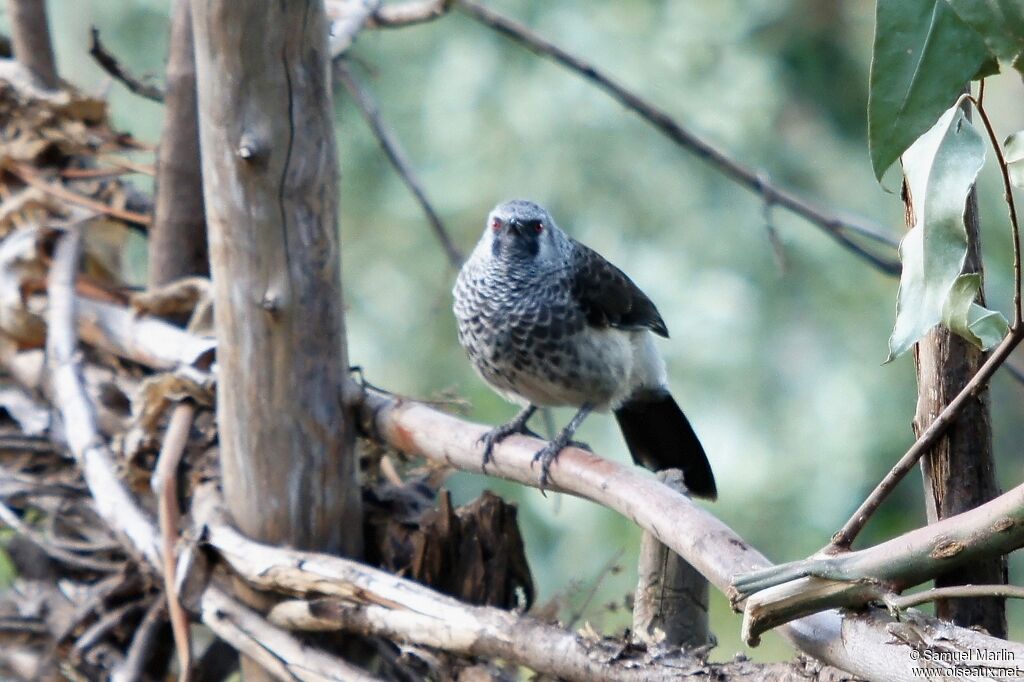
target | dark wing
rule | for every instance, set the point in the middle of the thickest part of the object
(608, 297)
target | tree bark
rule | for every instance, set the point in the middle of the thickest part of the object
(271, 182)
(671, 603)
(177, 240)
(30, 34)
(959, 472)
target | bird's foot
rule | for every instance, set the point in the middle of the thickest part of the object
(500, 433)
(579, 444)
(548, 454)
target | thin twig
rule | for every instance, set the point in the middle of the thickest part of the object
(833, 225)
(396, 155)
(165, 482)
(109, 63)
(1004, 171)
(846, 535)
(903, 602)
(30, 177)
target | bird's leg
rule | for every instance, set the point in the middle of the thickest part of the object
(500, 433)
(549, 452)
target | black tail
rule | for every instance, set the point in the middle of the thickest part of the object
(660, 437)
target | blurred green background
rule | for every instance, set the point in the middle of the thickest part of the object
(780, 370)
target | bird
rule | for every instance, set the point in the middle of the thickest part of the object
(547, 322)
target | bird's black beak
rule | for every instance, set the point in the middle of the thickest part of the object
(514, 225)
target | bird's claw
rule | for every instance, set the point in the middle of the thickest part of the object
(546, 456)
(499, 433)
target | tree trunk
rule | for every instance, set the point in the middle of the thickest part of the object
(671, 603)
(271, 183)
(177, 240)
(30, 34)
(959, 472)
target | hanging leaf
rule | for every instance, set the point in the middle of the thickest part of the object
(940, 168)
(999, 22)
(1013, 152)
(982, 327)
(923, 56)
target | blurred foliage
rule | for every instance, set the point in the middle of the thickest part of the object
(780, 371)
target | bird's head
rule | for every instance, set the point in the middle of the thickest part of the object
(523, 231)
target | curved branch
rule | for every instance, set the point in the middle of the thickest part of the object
(833, 225)
(861, 644)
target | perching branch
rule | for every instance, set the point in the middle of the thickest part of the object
(109, 63)
(844, 538)
(833, 225)
(860, 644)
(366, 103)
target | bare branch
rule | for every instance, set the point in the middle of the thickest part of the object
(846, 535)
(835, 226)
(109, 63)
(372, 602)
(901, 603)
(396, 155)
(704, 541)
(274, 649)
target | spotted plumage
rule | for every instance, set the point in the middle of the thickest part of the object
(548, 322)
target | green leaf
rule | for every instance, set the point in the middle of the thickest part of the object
(982, 327)
(1013, 152)
(999, 22)
(940, 167)
(924, 55)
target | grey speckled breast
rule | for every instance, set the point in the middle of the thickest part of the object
(529, 340)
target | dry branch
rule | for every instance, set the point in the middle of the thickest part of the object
(837, 227)
(373, 602)
(109, 63)
(860, 644)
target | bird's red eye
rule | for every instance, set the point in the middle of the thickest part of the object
(538, 227)
(496, 224)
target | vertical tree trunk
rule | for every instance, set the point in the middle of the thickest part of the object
(271, 182)
(959, 472)
(30, 34)
(177, 240)
(670, 606)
